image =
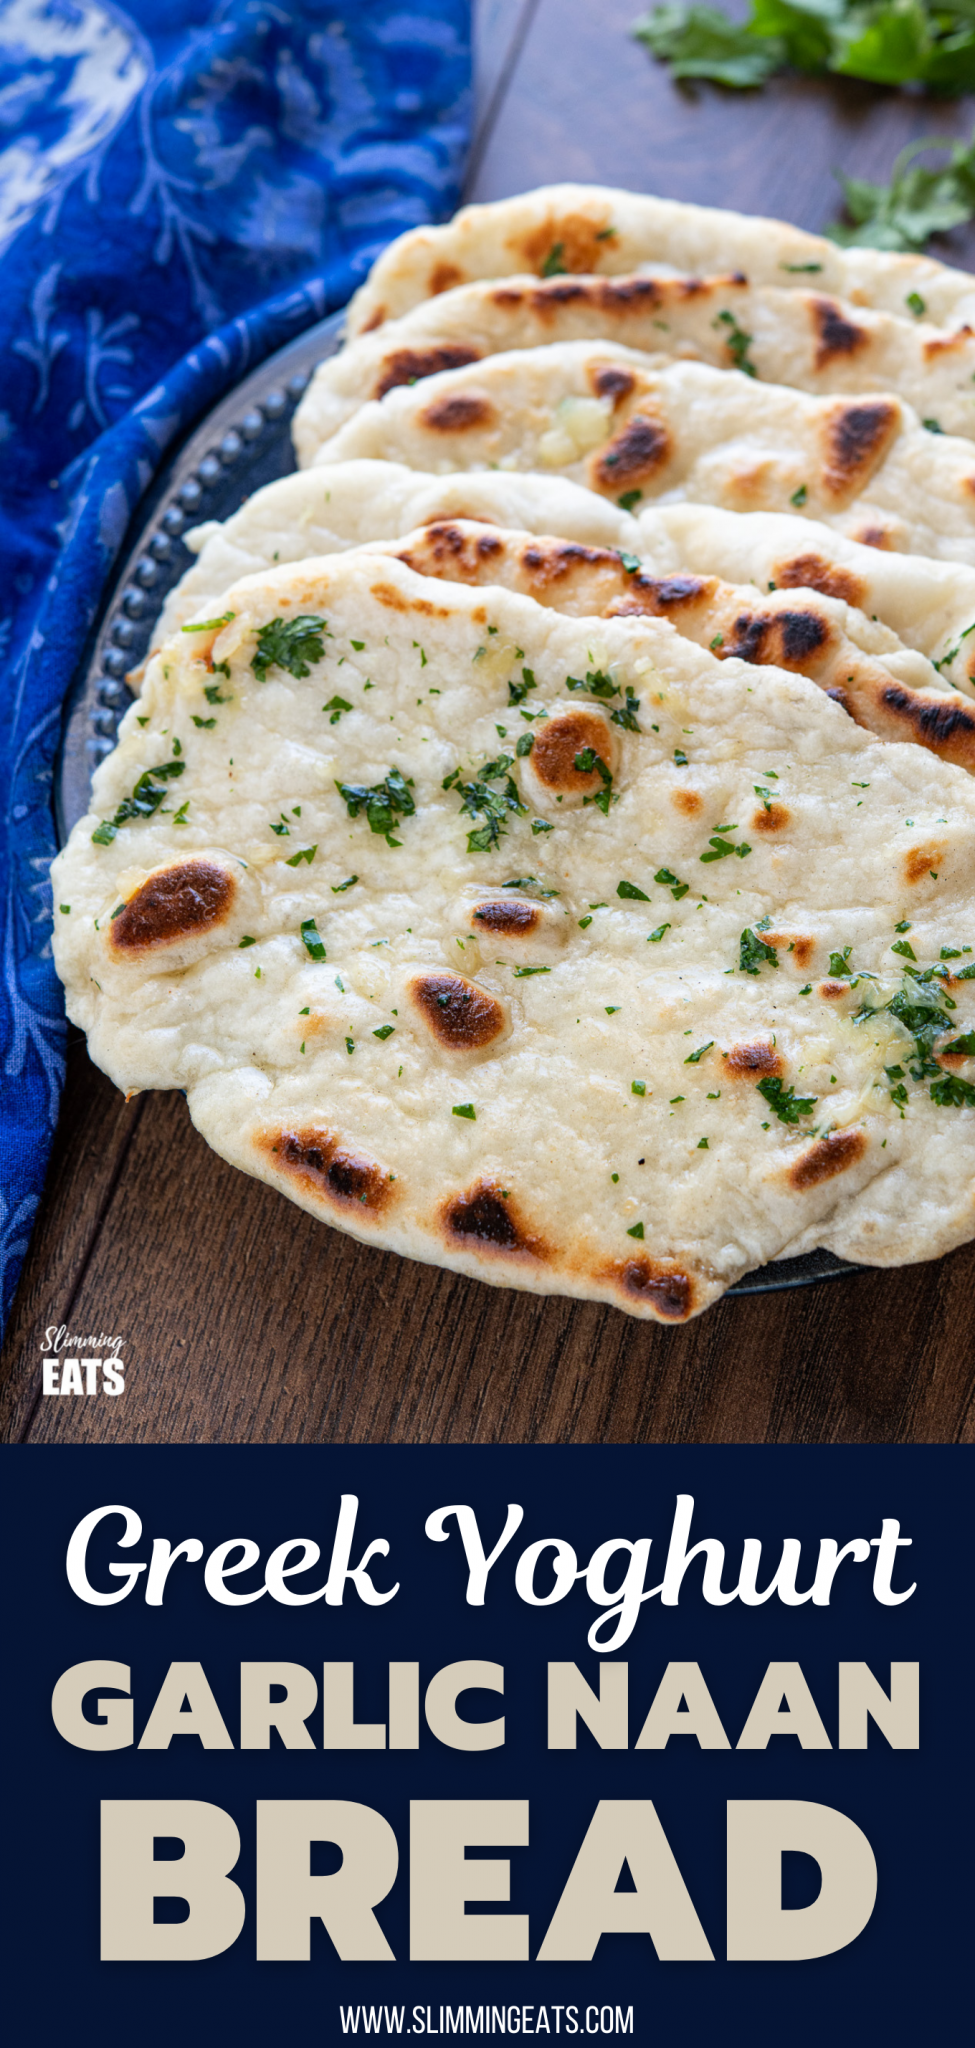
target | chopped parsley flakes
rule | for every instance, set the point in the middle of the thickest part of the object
(786, 1104)
(385, 803)
(292, 644)
(143, 803)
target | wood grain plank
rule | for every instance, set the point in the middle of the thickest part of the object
(243, 1319)
(589, 103)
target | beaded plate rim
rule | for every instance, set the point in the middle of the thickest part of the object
(208, 476)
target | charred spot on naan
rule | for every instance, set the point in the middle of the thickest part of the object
(633, 456)
(320, 1164)
(550, 561)
(801, 947)
(832, 990)
(922, 861)
(394, 599)
(750, 1062)
(810, 572)
(486, 1218)
(946, 725)
(829, 1156)
(557, 743)
(658, 1284)
(782, 639)
(410, 365)
(458, 412)
(611, 380)
(835, 334)
(875, 537)
(461, 1016)
(510, 919)
(856, 439)
(175, 903)
(447, 550)
(443, 277)
(947, 344)
(687, 802)
(658, 596)
(773, 817)
(576, 241)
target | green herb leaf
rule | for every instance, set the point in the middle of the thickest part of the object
(384, 1031)
(311, 940)
(209, 625)
(753, 953)
(205, 724)
(143, 803)
(517, 692)
(336, 705)
(693, 1058)
(292, 644)
(653, 938)
(628, 499)
(630, 892)
(638, 1087)
(306, 853)
(636, 1230)
(920, 201)
(338, 888)
(787, 1105)
(465, 1109)
(553, 265)
(701, 42)
(904, 946)
(385, 803)
(521, 972)
(214, 695)
(952, 1093)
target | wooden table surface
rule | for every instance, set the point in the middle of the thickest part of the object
(244, 1320)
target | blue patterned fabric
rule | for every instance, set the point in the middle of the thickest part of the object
(178, 174)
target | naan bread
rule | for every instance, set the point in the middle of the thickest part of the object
(798, 338)
(316, 512)
(929, 605)
(622, 1054)
(637, 433)
(890, 692)
(594, 228)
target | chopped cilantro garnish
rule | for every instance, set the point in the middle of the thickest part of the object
(636, 1230)
(524, 745)
(904, 946)
(553, 265)
(627, 500)
(384, 1031)
(306, 853)
(292, 644)
(949, 1092)
(246, 941)
(350, 1046)
(680, 758)
(799, 497)
(625, 714)
(143, 803)
(338, 888)
(611, 1009)
(517, 692)
(965, 1044)
(209, 625)
(214, 695)
(839, 963)
(385, 803)
(693, 1058)
(542, 825)
(465, 1109)
(583, 922)
(596, 684)
(702, 1145)
(719, 848)
(358, 645)
(638, 1087)
(654, 937)
(737, 343)
(787, 1105)
(205, 724)
(677, 888)
(179, 817)
(587, 762)
(807, 991)
(521, 972)
(336, 705)
(631, 893)
(753, 953)
(904, 926)
(631, 563)
(493, 805)
(311, 940)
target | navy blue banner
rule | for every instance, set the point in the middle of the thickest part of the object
(654, 1743)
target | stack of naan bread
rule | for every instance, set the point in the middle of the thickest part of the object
(544, 844)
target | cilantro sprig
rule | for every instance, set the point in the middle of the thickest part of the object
(292, 644)
(885, 43)
(144, 801)
(385, 803)
(479, 800)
